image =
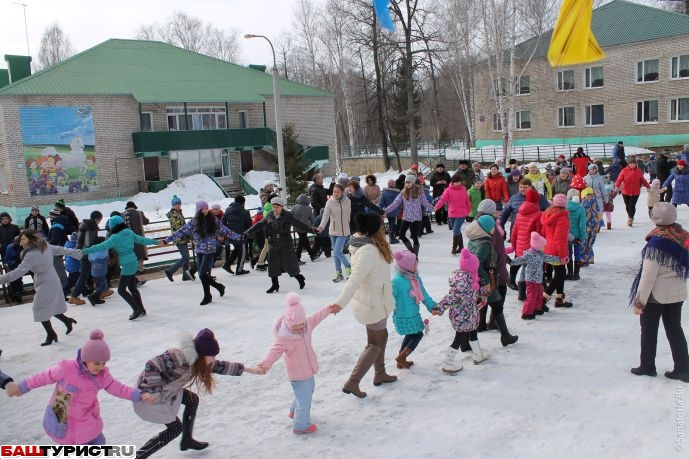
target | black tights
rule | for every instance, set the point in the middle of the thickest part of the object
(132, 297)
(411, 341)
(191, 402)
(48, 326)
(557, 283)
(463, 338)
(630, 204)
(414, 232)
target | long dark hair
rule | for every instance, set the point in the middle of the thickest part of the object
(206, 225)
(36, 241)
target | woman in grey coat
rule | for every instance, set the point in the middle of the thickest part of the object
(37, 257)
(595, 181)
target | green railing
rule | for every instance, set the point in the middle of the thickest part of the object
(236, 139)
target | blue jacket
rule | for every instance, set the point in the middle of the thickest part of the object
(406, 317)
(99, 263)
(680, 188)
(577, 220)
(387, 197)
(123, 243)
(510, 210)
(72, 265)
(13, 256)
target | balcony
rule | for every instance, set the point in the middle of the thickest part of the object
(158, 143)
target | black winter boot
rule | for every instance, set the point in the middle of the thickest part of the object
(216, 285)
(205, 282)
(159, 441)
(187, 429)
(575, 275)
(482, 320)
(50, 333)
(455, 244)
(275, 285)
(490, 325)
(570, 270)
(301, 280)
(193, 270)
(505, 338)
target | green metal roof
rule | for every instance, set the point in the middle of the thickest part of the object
(152, 71)
(617, 23)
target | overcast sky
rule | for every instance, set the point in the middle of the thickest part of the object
(88, 23)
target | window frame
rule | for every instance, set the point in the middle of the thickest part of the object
(561, 116)
(643, 62)
(239, 118)
(518, 120)
(669, 109)
(588, 72)
(498, 118)
(561, 80)
(679, 70)
(225, 163)
(150, 121)
(589, 115)
(196, 116)
(518, 86)
(636, 111)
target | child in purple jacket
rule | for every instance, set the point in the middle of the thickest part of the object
(414, 200)
(72, 416)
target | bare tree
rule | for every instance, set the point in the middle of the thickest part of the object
(223, 45)
(55, 46)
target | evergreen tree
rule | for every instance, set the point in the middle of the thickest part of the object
(295, 164)
(399, 126)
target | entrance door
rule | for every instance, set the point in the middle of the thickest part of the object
(151, 171)
(247, 159)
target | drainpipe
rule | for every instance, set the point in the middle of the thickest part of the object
(227, 115)
(186, 118)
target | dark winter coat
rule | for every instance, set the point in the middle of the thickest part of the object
(37, 223)
(561, 186)
(438, 188)
(13, 255)
(7, 234)
(680, 186)
(58, 230)
(480, 245)
(135, 220)
(388, 197)
(278, 233)
(72, 220)
(664, 168)
(467, 176)
(4, 380)
(237, 218)
(88, 232)
(319, 196)
(302, 211)
(360, 205)
(614, 170)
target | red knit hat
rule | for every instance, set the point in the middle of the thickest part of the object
(532, 196)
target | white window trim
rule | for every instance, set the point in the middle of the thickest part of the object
(557, 117)
(518, 86)
(636, 107)
(594, 125)
(515, 120)
(636, 67)
(150, 115)
(557, 80)
(583, 82)
(669, 68)
(669, 109)
(492, 124)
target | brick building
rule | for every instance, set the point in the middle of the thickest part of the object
(638, 94)
(128, 114)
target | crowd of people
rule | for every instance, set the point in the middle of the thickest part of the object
(523, 229)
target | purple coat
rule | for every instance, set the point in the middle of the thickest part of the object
(412, 207)
(203, 245)
(461, 301)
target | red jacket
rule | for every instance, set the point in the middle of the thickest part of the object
(496, 188)
(555, 222)
(631, 179)
(528, 220)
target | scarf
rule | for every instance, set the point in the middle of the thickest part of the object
(667, 245)
(359, 241)
(413, 278)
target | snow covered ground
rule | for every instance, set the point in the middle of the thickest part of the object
(564, 390)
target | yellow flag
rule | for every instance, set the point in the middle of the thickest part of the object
(573, 41)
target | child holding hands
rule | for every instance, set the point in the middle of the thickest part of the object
(408, 291)
(533, 260)
(73, 415)
(464, 304)
(293, 338)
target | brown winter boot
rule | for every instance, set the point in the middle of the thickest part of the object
(364, 363)
(380, 339)
(630, 221)
(609, 225)
(402, 362)
(76, 300)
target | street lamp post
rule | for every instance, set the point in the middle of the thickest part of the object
(278, 118)
(26, 27)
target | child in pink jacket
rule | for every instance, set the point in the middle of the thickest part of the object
(73, 415)
(293, 338)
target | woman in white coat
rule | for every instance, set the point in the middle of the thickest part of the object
(37, 257)
(370, 290)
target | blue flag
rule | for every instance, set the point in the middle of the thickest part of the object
(383, 13)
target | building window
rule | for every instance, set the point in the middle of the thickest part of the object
(497, 122)
(243, 119)
(595, 115)
(523, 85)
(679, 109)
(146, 122)
(565, 117)
(679, 67)
(565, 80)
(215, 163)
(198, 118)
(647, 71)
(498, 87)
(522, 120)
(593, 77)
(647, 111)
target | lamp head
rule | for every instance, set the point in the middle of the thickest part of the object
(249, 35)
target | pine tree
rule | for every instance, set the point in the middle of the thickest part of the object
(399, 127)
(295, 165)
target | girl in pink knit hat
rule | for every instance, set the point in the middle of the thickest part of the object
(293, 338)
(409, 292)
(72, 416)
(464, 304)
(533, 259)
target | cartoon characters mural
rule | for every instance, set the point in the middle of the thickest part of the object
(59, 149)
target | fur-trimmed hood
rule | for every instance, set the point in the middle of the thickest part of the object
(188, 348)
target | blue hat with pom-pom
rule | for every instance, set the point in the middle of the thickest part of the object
(175, 201)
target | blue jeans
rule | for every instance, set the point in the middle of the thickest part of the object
(84, 274)
(204, 262)
(576, 248)
(456, 224)
(101, 285)
(184, 261)
(301, 405)
(99, 440)
(338, 243)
